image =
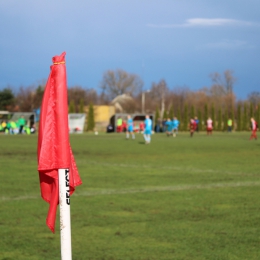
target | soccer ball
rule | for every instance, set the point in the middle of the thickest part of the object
(96, 132)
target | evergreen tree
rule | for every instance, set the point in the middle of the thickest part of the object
(258, 115)
(179, 118)
(185, 118)
(219, 119)
(157, 115)
(239, 119)
(233, 118)
(205, 115)
(38, 96)
(192, 112)
(90, 118)
(6, 98)
(213, 116)
(200, 120)
(157, 122)
(72, 107)
(251, 112)
(225, 120)
(81, 106)
(245, 118)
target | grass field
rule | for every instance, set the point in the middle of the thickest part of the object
(177, 198)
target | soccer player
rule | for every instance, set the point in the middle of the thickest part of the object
(168, 125)
(141, 127)
(124, 126)
(21, 123)
(197, 124)
(119, 125)
(254, 127)
(229, 123)
(193, 126)
(130, 127)
(175, 126)
(147, 129)
(209, 126)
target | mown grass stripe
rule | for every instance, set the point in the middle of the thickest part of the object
(147, 189)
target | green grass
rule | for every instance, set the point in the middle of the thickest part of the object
(177, 198)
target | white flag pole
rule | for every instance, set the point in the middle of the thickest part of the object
(64, 201)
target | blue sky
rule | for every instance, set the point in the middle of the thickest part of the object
(181, 41)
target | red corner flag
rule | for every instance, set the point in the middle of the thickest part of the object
(54, 151)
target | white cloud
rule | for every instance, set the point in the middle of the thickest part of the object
(204, 22)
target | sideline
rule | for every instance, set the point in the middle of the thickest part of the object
(149, 189)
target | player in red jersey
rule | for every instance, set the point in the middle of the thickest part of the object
(254, 127)
(209, 126)
(193, 126)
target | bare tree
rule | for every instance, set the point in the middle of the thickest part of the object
(216, 79)
(227, 82)
(103, 99)
(119, 82)
(25, 99)
(180, 97)
(254, 97)
(76, 94)
(91, 96)
(81, 96)
(29, 98)
(158, 93)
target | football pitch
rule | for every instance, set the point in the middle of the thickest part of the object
(176, 198)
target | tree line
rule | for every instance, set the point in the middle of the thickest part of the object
(217, 101)
(240, 116)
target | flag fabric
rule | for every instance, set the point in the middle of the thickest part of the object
(54, 150)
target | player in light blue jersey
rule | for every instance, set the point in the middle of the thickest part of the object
(175, 126)
(130, 127)
(147, 129)
(169, 127)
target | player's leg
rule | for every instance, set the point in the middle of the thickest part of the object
(146, 138)
(174, 132)
(133, 135)
(254, 134)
